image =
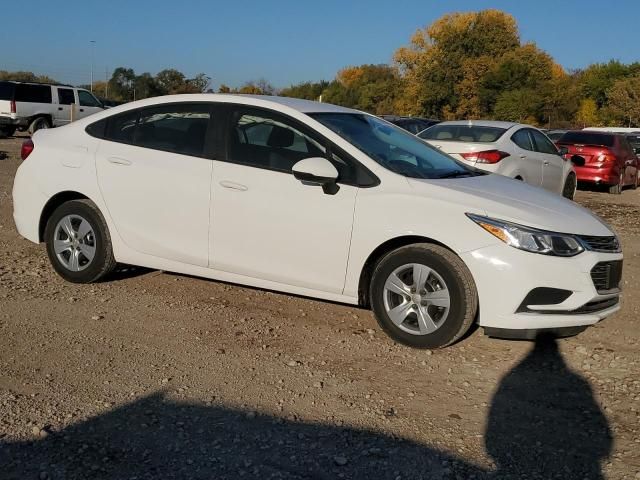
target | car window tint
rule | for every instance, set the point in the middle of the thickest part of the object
(121, 128)
(542, 143)
(32, 93)
(587, 138)
(522, 139)
(66, 96)
(173, 128)
(269, 142)
(6, 91)
(86, 99)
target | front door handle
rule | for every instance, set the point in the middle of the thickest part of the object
(522, 156)
(119, 161)
(546, 162)
(60, 108)
(234, 186)
(82, 109)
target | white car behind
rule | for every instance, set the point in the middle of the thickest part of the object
(510, 149)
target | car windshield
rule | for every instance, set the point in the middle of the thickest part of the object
(393, 147)
(586, 138)
(463, 133)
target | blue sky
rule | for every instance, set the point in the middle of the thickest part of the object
(283, 41)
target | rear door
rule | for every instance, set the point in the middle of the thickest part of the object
(553, 164)
(66, 97)
(87, 104)
(530, 163)
(32, 99)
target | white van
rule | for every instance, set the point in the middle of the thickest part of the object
(34, 106)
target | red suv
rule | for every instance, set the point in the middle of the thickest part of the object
(609, 158)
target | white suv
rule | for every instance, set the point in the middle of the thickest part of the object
(35, 105)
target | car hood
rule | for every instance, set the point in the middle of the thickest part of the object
(512, 200)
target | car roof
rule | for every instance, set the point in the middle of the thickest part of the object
(482, 123)
(301, 105)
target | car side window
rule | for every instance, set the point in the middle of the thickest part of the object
(66, 96)
(25, 92)
(542, 143)
(522, 139)
(87, 100)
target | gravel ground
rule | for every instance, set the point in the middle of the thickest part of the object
(151, 375)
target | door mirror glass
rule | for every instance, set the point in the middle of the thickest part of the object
(577, 160)
(562, 151)
(316, 171)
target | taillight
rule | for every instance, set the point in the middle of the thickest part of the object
(488, 156)
(27, 148)
(604, 158)
(13, 106)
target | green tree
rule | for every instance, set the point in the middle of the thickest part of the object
(171, 80)
(121, 84)
(306, 90)
(624, 101)
(146, 86)
(587, 114)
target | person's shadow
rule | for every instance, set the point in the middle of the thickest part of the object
(544, 421)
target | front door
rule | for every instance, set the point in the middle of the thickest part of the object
(553, 163)
(530, 163)
(87, 104)
(265, 223)
(156, 182)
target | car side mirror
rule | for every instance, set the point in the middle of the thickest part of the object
(317, 171)
(562, 151)
(578, 161)
(637, 150)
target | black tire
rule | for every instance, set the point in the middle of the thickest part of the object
(103, 261)
(459, 282)
(617, 188)
(8, 131)
(38, 124)
(570, 185)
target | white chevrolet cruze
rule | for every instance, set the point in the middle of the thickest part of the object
(315, 200)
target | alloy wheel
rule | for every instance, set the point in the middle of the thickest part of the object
(74, 243)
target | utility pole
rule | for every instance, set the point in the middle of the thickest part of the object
(93, 44)
(106, 82)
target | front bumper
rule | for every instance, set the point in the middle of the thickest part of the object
(504, 277)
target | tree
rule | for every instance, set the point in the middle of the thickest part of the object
(433, 65)
(587, 114)
(146, 86)
(171, 80)
(517, 106)
(624, 101)
(121, 84)
(306, 90)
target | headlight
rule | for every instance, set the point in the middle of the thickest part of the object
(530, 239)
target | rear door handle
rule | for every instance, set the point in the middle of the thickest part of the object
(60, 108)
(82, 109)
(234, 186)
(546, 162)
(119, 161)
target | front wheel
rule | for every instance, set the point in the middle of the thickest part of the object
(78, 242)
(570, 185)
(423, 296)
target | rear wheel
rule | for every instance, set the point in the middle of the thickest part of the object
(570, 185)
(423, 296)
(617, 189)
(39, 124)
(78, 242)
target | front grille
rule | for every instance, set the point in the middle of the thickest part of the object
(601, 244)
(607, 275)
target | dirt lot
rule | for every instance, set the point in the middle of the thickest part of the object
(156, 375)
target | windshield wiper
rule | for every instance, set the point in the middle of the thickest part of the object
(456, 173)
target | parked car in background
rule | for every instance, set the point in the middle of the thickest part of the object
(613, 129)
(511, 149)
(34, 106)
(316, 200)
(411, 124)
(609, 158)
(109, 103)
(634, 140)
(554, 134)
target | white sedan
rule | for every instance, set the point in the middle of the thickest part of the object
(315, 200)
(510, 149)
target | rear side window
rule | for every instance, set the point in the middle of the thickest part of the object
(66, 96)
(542, 143)
(586, 138)
(177, 128)
(6, 91)
(174, 128)
(522, 139)
(32, 93)
(463, 133)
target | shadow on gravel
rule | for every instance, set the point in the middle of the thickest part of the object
(544, 421)
(123, 272)
(543, 424)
